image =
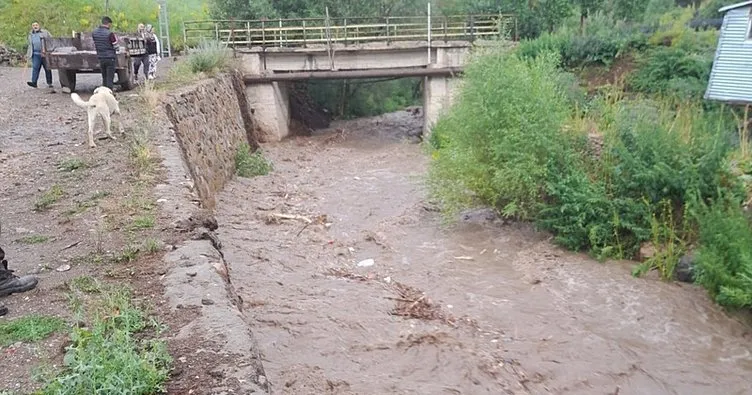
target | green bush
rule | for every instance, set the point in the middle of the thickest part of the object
(251, 164)
(495, 144)
(653, 156)
(671, 71)
(724, 259)
(602, 42)
(210, 57)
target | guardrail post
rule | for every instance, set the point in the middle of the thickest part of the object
(472, 28)
(344, 26)
(248, 33)
(429, 34)
(216, 31)
(304, 34)
(445, 23)
(280, 32)
(388, 40)
(263, 34)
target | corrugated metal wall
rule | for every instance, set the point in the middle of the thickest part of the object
(731, 78)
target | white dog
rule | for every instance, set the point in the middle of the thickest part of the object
(101, 103)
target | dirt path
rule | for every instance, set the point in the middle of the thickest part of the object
(472, 308)
(69, 212)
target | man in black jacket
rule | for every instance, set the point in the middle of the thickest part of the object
(105, 43)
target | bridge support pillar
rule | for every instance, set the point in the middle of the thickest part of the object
(438, 96)
(269, 101)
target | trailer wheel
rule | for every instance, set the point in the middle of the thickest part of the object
(67, 78)
(125, 77)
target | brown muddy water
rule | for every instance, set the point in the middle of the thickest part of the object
(378, 296)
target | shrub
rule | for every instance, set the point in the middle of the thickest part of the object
(209, 57)
(654, 157)
(671, 71)
(495, 144)
(724, 259)
(251, 164)
(602, 41)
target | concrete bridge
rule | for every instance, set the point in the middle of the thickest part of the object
(276, 53)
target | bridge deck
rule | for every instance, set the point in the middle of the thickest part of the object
(286, 33)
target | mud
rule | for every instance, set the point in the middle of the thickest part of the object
(360, 288)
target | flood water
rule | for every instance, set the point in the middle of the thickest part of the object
(378, 296)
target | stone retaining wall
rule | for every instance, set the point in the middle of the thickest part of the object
(211, 119)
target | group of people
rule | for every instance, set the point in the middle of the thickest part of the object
(106, 45)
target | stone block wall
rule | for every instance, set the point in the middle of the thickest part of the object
(211, 120)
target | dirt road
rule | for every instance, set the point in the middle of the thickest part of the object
(377, 296)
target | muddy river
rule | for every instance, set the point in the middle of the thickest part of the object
(376, 295)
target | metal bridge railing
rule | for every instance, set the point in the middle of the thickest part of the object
(347, 31)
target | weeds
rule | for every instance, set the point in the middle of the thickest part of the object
(72, 164)
(33, 239)
(142, 158)
(110, 355)
(209, 57)
(128, 254)
(143, 222)
(249, 164)
(84, 205)
(152, 246)
(29, 329)
(85, 284)
(52, 196)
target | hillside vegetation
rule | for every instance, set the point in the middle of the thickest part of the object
(640, 161)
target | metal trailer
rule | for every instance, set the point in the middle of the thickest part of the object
(73, 55)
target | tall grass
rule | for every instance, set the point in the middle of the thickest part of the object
(209, 57)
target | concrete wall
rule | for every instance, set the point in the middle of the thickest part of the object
(211, 120)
